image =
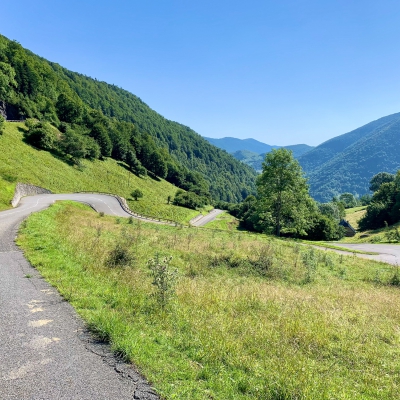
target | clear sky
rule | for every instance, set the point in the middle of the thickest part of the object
(282, 72)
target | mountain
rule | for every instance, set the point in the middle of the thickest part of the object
(347, 162)
(299, 149)
(251, 151)
(231, 145)
(115, 122)
(250, 158)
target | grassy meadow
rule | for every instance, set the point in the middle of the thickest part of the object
(251, 317)
(20, 162)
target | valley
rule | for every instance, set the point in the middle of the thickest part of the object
(237, 304)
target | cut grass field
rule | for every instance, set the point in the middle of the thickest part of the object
(20, 162)
(252, 318)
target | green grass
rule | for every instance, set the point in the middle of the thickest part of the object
(20, 162)
(225, 222)
(354, 209)
(353, 215)
(252, 318)
(374, 236)
(335, 247)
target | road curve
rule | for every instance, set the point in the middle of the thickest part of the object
(388, 253)
(45, 351)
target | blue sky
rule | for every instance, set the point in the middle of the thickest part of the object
(282, 72)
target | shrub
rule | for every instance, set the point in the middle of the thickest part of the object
(164, 279)
(375, 217)
(41, 135)
(393, 235)
(263, 260)
(136, 194)
(189, 200)
(120, 256)
(324, 228)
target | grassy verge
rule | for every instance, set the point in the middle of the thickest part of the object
(20, 162)
(334, 247)
(225, 222)
(252, 317)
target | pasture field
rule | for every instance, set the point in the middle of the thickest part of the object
(249, 317)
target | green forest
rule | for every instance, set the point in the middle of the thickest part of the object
(79, 117)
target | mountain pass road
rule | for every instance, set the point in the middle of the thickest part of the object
(388, 253)
(207, 218)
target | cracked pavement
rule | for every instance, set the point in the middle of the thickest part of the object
(45, 350)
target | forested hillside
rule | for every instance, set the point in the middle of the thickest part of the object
(255, 160)
(111, 122)
(346, 163)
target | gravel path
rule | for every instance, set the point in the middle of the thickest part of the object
(45, 351)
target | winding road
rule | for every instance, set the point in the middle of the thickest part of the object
(387, 253)
(45, 350)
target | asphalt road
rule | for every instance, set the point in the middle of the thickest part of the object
(208, 218)
(45, 350)
(388, 253)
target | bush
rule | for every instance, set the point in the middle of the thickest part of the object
(393, 235)
(41, 135)
(189, 200)
(164, 279)
(120, 256)
(375, 217)
(324, 228)
(136, 194)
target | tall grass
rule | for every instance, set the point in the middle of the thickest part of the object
(252, 317)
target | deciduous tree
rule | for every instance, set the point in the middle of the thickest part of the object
(283, 199)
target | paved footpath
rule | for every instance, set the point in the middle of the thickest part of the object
(45, 350)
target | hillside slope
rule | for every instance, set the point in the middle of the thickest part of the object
(346, 163)
(40, 83)
(20, 162)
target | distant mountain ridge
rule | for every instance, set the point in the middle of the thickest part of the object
(231, 145)
(346, 163)
(252, 152)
